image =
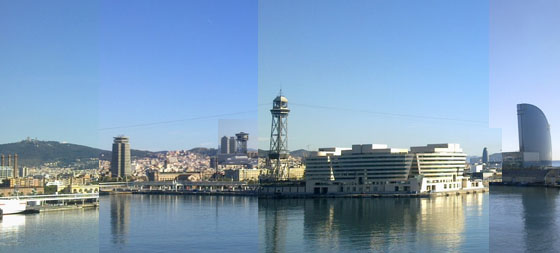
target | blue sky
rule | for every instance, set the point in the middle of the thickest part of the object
(397, 72)
(84, 72)
(524, 65)
(369, 61)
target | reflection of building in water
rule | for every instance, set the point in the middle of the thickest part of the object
(275, 218)
(366, 224)
(539, 218)
(444, 217)
(120, 212)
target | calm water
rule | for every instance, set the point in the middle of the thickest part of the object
(509, 219)
(157, 223)
(443, 224)
(61, 231)
(524, 219)
(131, 223)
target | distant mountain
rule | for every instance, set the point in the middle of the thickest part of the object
(300, 153)
(33, 153)
(296, 153)
(497, 157)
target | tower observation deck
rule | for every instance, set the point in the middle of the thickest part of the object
(278, 153)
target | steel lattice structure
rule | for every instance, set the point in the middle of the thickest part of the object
(278, 154)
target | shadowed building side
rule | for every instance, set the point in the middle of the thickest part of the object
(534, 134)
(120, 160)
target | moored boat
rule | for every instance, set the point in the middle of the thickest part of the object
(12, 206)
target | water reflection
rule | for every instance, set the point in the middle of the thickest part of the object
(524, 219)
(539, 209)
(387, 224)
(152, 223)
(120, 213)
(11, 227)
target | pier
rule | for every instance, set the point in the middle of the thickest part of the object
(178, 186)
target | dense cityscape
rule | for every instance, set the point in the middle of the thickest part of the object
(279, 126)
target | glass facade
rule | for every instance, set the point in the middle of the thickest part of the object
(534, 133)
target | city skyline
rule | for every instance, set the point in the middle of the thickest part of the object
(99, 68)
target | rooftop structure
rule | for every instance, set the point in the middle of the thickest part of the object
(242, 139)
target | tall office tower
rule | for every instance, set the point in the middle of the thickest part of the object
(120, 160)
(232, 146)
(485, 155)
(23, 172)
(534, 136)
(242, 139)
(278, 153)
(224, 145)
(16, 170)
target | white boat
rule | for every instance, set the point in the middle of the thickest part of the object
(11, 206)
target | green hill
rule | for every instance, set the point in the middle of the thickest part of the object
(33, 153)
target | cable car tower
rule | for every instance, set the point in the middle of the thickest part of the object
(278, 154)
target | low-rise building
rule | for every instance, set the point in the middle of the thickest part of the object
(243, 174)
(92, 188)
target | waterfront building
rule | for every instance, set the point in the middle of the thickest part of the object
(243, 174)
(534, 135)
(120, 160)
(533, 161)
(374, 168)
(74, 188)
(224, 145)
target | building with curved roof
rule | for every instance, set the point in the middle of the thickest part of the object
(534, 134)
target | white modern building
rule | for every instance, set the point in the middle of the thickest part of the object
(374, 168)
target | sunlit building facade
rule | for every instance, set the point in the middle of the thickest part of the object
(378, 169)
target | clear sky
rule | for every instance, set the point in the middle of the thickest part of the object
(163, 73)
(524, 65)
(402, 73)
